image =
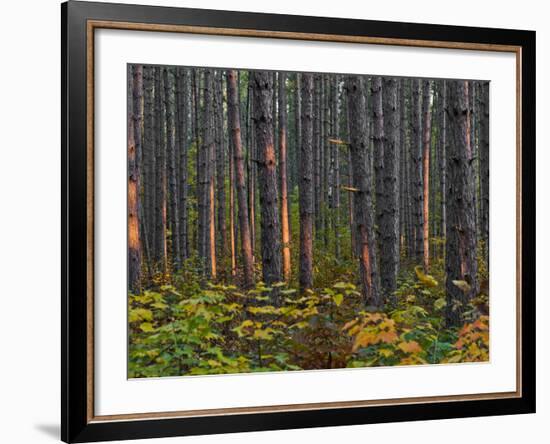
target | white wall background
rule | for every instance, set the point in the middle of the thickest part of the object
(30, 221)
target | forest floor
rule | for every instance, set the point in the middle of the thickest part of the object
(185, 326)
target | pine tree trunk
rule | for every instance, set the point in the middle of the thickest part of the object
(443, 155)
(403, 139)
(220, 166)
(326, 160)
(205, 181)
(262, 89)
(336, 166)
(389, 228)
(416, 169)
(317, 151)
(148, 175)
(231, 153)
(160, 163)
(285, 230)
(377, 118)
(172, 169)
(233, 113)
(306, 183)
(182, 128)
(461, 257)
(363, 205)
(426, 145)
(484, 167)
(135, 83)
(251, 163)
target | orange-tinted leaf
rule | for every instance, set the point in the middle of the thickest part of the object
(387, 336)
(410, 347)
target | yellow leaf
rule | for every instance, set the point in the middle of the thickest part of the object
(426, 279)
(385, 352)
(473, 350)
(264, 334)
(349, 324)
(338, 298)
(463, 285)
(364, 339)
(440, 303)
(146, 326)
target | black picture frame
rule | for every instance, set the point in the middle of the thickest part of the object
(76, 424)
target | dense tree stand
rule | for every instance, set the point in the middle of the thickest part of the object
(283, 221)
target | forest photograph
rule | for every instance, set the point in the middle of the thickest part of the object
(282, 221)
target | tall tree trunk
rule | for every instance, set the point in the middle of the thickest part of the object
(172, 167)
(283, 176)
(205, 181)
(231, 153)
(336, 166)
(461, 257)
(426, 144)
(267, 177)
(389, 229)
(251, 162)
(326, 192)
(317, 151)
(416, 169)
(404, 171)
(182, 129)
(378, 149)
(135, 80)
(233, 113)
(160, 163)
(363, 205)
(484, 166)
(212, 182)
(298, 127)
(148, 156)
(220, 166)
(351, 209)
(306, 183)
(443, 154)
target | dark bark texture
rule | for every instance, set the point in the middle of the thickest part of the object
(262, 88)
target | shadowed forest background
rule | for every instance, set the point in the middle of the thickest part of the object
(285, 221)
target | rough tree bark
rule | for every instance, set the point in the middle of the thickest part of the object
(389, 228)
(231, 154)
(443, 153)
(306, 183)
(233, 113)
(363, 206)
(204, 177)
(416, 169)
(221, 228)
(426, 148)
(285, 230)
(461, 258)
(182, 129)
(317, 151)
(484, 166)
(148, 157)
(377, 118)
(172, 167)
(336, 166)
(262, 88)
(135, 83)
(160, 165)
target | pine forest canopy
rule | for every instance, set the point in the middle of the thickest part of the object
(287, 221)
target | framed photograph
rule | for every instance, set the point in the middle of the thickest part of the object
(276, 221)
